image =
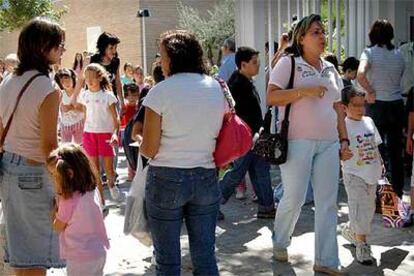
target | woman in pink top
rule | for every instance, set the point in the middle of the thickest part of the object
(316, 133)
(78, 214)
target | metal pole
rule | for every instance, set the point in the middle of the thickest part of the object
(346, 23)
(338, 31)
(289, 14)
(279, 18)
(270, 33)
(330, 40)
(298, 13)
(144, 46)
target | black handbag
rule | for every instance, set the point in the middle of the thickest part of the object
(273, 147)
(9, 121)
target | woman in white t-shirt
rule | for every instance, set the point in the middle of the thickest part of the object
(72, 116)
(315, 126)
(26, 190)
(183, 117)
(101, 124)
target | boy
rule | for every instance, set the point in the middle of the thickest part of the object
(361, 172)
(349, 69)
(131, 94)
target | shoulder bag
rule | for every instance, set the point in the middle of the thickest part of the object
(273, 147)
(7, 127)
(235, 137)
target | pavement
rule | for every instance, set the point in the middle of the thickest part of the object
(244, 246)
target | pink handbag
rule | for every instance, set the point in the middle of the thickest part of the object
(235, 137)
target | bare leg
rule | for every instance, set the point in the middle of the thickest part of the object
(109, 170)
(95, 161)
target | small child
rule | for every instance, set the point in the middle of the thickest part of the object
(78, 216)
(71, 117)
(101, 124)
(131, 94)
(361, 172)
(128, 76)
(349, 70)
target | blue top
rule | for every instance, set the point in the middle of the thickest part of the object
(228, 66)
(386, 68)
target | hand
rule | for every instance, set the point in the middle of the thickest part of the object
(283, 41)
(409, 146)
(314, 91)
(370, 97)
(114, 140)
(345, 153)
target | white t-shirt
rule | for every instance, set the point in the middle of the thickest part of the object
(364, 140)
(71, 117)
(192, 107)
(310, 117)
(23, 137)
(98, 115)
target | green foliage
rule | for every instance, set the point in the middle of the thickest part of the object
(211, 29)
(15, 13)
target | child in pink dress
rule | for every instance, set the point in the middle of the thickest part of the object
(78, 215)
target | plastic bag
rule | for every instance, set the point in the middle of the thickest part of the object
(136, 223)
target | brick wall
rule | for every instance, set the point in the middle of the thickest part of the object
(118, 17)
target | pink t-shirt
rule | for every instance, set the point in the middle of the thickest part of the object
(84, 237)
(310, 118)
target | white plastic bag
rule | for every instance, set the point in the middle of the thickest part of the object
(136, 223)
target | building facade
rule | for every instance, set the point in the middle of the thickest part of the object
(85, 20)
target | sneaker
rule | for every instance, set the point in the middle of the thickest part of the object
(280, 254)
(348, 234)
(266, 215)
(363, 253)
(328, 270)
(115, 193)
(220, 215)
(240, 195)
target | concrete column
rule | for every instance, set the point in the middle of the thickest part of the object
(289, 13)
(251, 32)
(352, 34)
(346, 25)
(361, 29)
(298, 11)
(318, 7)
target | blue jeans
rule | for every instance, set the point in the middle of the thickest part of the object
(174, 194)
(278, 193)
(316, 162)
(259, 172)
(27, 194)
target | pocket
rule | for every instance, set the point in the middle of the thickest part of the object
(33, 182)
(164, 189)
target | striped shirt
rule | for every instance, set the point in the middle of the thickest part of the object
(386, 68)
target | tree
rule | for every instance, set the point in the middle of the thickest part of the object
(15, 13)
(213, 29)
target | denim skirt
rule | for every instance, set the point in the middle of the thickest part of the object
(27, 193)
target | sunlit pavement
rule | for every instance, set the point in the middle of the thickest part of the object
(244, 247)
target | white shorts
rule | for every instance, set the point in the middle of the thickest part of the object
(93, 267)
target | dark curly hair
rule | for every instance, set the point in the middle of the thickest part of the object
(104, 40)
(184, 51)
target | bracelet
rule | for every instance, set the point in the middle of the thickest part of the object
(345, 140)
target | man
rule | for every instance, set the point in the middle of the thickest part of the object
(228, 64)
(248, 108)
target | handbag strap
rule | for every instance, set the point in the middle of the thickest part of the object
(226, 92)
(268, 116)
(24, 88)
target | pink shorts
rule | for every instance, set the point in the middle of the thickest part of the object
(97, 144)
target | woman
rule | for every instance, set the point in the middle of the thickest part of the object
(139, 77)
(78, 64)
(107, 56)
(26, 190)
(379, 73)
(183, 117)
(314, 131)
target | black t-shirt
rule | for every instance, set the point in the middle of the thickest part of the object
(111, 68)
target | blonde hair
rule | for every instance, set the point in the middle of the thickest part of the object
(75, 171)
(149, 81)
(101, 72)
(300, 30)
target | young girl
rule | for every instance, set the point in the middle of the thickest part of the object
(78, 64)
(101, 124)
(71, 115)
(77, 215)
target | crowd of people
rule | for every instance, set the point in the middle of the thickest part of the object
(62, 129)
